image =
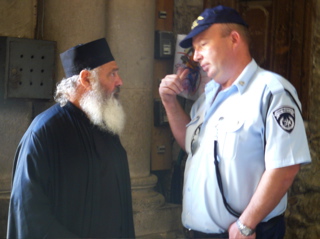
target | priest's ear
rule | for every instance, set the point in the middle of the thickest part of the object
(84, 78)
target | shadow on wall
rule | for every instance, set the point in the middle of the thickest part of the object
(4, 205)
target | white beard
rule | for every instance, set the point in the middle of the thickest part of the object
(103, 110)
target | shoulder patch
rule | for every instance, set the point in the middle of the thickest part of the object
(285, 118)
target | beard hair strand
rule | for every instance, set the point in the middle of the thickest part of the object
(104, 111)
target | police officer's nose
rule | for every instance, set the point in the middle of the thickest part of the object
(197, 56)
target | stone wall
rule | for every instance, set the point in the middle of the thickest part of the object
(17, 20)
(303, 214)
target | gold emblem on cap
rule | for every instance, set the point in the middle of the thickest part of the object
(195, 22)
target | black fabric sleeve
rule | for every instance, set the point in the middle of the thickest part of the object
(30, 210)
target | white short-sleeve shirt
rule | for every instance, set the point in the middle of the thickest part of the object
(254, 132)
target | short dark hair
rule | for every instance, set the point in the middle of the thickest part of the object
(227, 28)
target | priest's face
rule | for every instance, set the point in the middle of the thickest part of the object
(101, 103)
(109, 78)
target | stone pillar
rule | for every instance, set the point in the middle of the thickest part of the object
(130, 35)
(70, 23)
(130, 32)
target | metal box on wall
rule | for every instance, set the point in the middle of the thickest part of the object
(27, 68)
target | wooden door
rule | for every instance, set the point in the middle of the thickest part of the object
(281, 38)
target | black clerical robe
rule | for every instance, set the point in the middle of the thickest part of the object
(70, 180)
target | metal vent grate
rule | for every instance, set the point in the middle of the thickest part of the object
(28, 68)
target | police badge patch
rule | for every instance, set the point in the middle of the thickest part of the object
(285, 117)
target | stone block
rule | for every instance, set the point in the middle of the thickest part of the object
(4, 205)
(160, 223)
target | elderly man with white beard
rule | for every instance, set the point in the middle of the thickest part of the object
(71, 176)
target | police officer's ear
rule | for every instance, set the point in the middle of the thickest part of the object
(84, 78)
(235, 36)
(235, 39)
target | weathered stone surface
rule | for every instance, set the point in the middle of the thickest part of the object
(164, 222)
(4, 206)
(303, 213)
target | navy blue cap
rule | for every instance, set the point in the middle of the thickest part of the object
(85, 56)
(219, 14)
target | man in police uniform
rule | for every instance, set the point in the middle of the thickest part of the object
(252, 139)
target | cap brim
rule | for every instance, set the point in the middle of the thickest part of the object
(187, 41)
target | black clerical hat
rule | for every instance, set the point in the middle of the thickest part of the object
(85, 56)
(209, 16)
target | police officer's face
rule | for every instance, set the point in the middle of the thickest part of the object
(213, 52)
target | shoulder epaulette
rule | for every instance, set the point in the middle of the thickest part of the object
(277, 85)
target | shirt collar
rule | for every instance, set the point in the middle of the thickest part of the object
(76, 110)
(240, 83)
(246, 75)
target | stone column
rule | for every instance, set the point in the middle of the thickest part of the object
(70, 23)
(130, 27)
(129, 32)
